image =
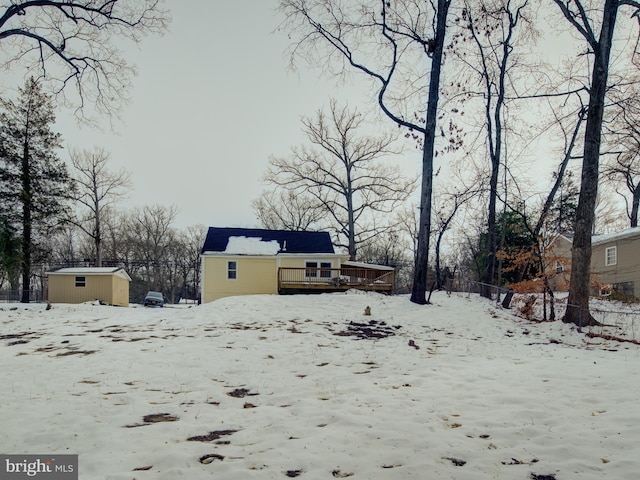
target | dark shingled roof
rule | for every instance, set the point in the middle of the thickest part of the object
(296, 242)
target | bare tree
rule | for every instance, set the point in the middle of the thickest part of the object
(600, 46)
(189, 263)
(450, 204)
(70, 43)
(151, 234)
(283, 209)
(341, 172)
(400, 47)
(117, 246)
(97, 189)
(622, 170)
(391, 248)
(625, 170)
(492, 26)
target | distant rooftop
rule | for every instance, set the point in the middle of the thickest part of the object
(610, 237)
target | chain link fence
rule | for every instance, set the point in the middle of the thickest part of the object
(617, 320)
(15, 296)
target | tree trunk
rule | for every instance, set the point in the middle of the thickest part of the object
(351, 234)
(26, 223)
(635, 203)
(418, 293)
(578, 301)
(98, 229)
(439, 280)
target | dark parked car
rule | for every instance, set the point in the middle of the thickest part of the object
(154, 299)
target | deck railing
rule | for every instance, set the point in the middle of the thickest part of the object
(312, 278)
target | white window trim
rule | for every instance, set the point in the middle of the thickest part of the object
(607, 261)
(318, 267)
(330, 263)
(229, 269)
(605, 290)
(315, 271)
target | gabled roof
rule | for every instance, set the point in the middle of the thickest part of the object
(91, 271)
(258, 241)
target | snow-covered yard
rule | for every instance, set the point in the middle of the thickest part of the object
(269, 387)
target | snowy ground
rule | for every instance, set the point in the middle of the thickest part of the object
(270, 387)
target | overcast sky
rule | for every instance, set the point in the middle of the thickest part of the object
(214, 98)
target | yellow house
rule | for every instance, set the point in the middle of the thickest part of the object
(84, 284)
(245, 261)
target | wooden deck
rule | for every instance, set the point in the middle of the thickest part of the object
(320, 280)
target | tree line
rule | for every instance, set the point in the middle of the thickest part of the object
(468, 83)
(464, 79)
(52, 216)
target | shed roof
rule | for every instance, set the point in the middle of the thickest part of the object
(370, 266)
(265, 242)
(91, 271)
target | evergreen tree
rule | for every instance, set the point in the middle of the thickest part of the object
(9, 254)
(514, 239)
(563, 211)
(34, 182)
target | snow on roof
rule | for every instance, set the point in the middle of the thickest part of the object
(609, 237)
(91, 271)
(291, 242)
(87, 270)
(252, 246)
(371, 266)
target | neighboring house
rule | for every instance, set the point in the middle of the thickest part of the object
(559, 258)
(244, 261)
(84, 284)
(615, 262)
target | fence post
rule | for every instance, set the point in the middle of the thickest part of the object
(580, 320)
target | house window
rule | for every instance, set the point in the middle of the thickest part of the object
(605, 290)
(312, 269)
(81, 281)
(232, 270)
(610, 256)
(559, 267)
(325, 271)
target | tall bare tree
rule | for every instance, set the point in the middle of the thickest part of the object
(492, 26)
(622, 168)
(97, 189)
(399, 46)
(341, 172)
(450, 203)
(71, 43)
(189, 263)
(283, 209)
(581, 16)
(152, 234)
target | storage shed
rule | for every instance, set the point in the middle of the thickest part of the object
(84, 284)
